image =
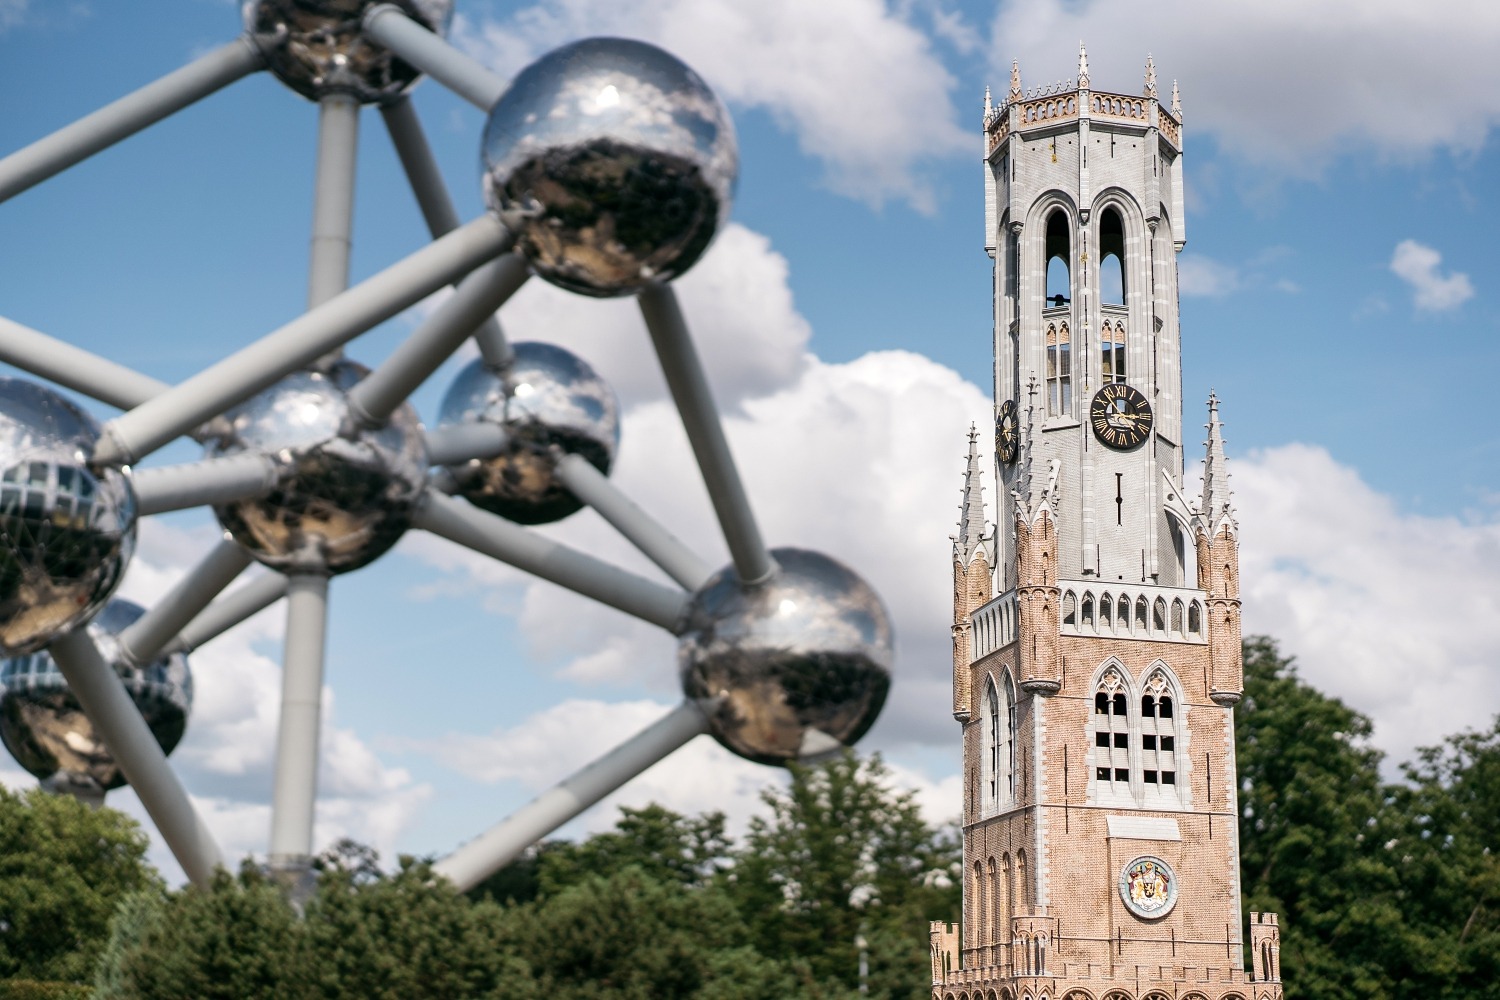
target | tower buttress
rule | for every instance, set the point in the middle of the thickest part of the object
(973, 582)
(1037, 592)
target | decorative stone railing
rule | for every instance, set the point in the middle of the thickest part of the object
(1137, 611)
(1047, 105)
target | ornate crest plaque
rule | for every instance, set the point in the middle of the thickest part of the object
(1148, 887)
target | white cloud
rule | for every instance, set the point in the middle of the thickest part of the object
(1396, 613)
(1417, 265)
(1281, 82)
(12, 13)
(857, 83)
(1198, 275)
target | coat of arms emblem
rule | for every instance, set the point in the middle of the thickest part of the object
(1148, 887)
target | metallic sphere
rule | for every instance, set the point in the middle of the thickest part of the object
(46, 731)
(316, 47)
(613, 163)
(547, 397)
(793, 669)
(345, 493)
(66, 531)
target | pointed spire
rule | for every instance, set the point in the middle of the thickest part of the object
(1150, 76)
(1176, 102)
(989, 105)
(1031, 493)
(1083, 66)
(971, 512)
(1215, 506)
(1015, 82)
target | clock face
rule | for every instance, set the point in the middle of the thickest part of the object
(1120, 415)
(1007, 432)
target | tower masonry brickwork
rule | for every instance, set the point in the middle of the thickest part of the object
(1096, 623)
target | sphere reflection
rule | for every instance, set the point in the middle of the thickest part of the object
(612, 162)
(344, 495)
(546, 398)
(45, 730)
(66, 531)
(790, 670)
(316, 47)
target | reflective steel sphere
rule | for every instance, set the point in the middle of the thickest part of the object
(316, 46)
(613, 163)
(793, 669)
(66, 531)
(548, 396)
(46, 731)
(345, 495)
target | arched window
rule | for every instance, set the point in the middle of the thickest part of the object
(1008, 900)
(1106, 612)
(1122, 614)
(1059, 370)
(1195, 619)
(1177, 616)
(1059, 260)
(1159, 739)
(1008, 758)
(1111, 733)
(1159, 615)
(1023, 877)
(1111, 258)
(999, 761)
(1140, 614)
(1088, 612)
(1112, 351)
(977, 934)
(1069, 609)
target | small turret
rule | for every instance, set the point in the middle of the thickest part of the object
(1217, 537)
(973, 581)
(1150, 77)
(1083, 67)
(1015, 82)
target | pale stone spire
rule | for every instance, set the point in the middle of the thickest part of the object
(1035, 488)
(1215, 506)
(1083, 67)
(971, 511)
(1150, 76)
(1015, 82)
(989, 105)
(1176, 102)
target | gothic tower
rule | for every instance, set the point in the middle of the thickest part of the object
(1096, 652)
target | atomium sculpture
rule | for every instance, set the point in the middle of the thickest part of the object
(608, 168)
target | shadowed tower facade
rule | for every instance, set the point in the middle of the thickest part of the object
(1096, 629)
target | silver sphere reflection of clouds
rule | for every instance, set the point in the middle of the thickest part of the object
(316, 47)
(612, 162)
(345, 494)
(790, 670)
(66, 531)
(45, 730)
(547, 397)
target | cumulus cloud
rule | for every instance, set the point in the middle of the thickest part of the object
(857, 83)
(1396, 613)
(1417, 265)
(1279, 82)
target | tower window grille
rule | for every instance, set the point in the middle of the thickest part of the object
(1159, 736)
(1112, 352)
(1112, 733)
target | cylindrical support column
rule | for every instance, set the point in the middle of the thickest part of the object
(221, 616)
(456, 443)
(133, 435)
(437, 208)
(145, 637)
(695, 404)
(645, 533)
(211, 481)
(75, 368)
(107, 705)
(479, 858)
(127, 116)
(333, 198)
(484, 290)
(389, 25)
(296, 787)
(497, 538)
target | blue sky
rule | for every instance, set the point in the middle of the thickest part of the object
(1341, 176)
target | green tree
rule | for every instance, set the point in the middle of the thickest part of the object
(845, 855)
(1315, 820)
(64, 868)
(666, 846)
(1449, 860)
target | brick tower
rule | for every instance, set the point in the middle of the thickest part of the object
(1096, 652)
